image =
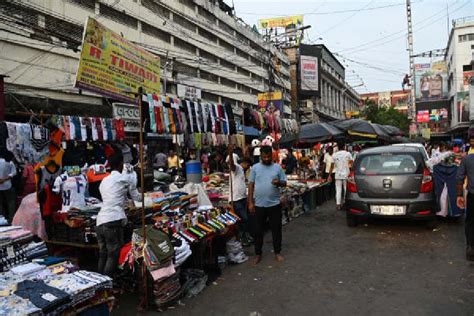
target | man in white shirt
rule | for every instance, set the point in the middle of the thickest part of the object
(112, 218)
(341, 168)
(7, 192)
(239, 194)
(328, 174)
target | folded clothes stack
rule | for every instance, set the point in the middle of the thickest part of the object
(50, 286)
(17, 246)
(167, 291)
(182, 250)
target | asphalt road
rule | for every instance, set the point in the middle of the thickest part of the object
(383, 267)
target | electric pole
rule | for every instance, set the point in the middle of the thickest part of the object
(412, 106)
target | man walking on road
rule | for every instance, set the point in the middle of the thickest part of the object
(341, 167)
(466, 170)
(265, 181)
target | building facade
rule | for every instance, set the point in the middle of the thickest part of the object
(330, 97)
(459, 59)
(201, 45)
(396, 98)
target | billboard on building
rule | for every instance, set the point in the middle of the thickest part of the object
(188, 92)
(272, 23)
(462, 106)
(114, 67)
(309, 74)
(431, 82)
(385, 99)
(423, 116)
(466, 79)
(270, 101)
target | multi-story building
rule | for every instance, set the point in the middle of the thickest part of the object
(331, 97)
(459, 59)
(396, 98)
(200, 42)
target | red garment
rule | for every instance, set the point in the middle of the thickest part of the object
(109, 151)
(29, 180)
(98, 124)
(52, 203)
(119, 126)
(125, 253)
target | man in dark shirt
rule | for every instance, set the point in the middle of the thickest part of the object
(290, 162)
(466, 170)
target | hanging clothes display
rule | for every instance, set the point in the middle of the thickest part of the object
(445, 179)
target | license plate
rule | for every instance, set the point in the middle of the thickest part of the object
(387, 209)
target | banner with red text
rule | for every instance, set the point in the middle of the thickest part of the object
(114, 67)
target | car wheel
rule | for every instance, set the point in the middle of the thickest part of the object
(351, 220)
(432, 224)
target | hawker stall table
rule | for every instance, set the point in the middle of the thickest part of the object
(32, 283)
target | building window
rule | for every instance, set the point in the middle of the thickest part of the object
(208, 76)
(86, 4)
(226, 28)
(227, 83)
(208, 56)
(210, 97)
(243, 72)
(156, 8)
(227, 46)
(242, 54)
(226, 64)
(184, 23)
(118, 16)
(155, 32)
(184, 46)
(466, 37)
(208, 35)
(184, 70)
(207, 15)
(188, 3)
(65, 31)
(466, 67)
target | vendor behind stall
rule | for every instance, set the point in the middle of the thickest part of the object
(238, 194)
(111, 218)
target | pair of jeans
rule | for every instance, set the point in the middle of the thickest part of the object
(240, 208)
(110, 239)
(469, 225)
(8, 203)
(341, 187)
(273, 213)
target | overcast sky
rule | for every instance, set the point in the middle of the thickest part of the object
(371, 36)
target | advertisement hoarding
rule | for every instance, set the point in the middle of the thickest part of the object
(112, 66)
(462, 106)
(423, 116)
(270, 101)
(385, 99)
(272, 23)
(309, 77)
(431, 81)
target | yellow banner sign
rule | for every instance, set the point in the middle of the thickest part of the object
(114, 67)
(280, 22)
(269, 96)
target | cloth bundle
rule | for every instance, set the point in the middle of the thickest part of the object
(235, 252)
(194, 282)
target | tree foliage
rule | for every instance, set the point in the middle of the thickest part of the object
(385, 116)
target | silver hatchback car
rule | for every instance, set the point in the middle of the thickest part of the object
(390, 182)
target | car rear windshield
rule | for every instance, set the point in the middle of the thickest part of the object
(389, 163)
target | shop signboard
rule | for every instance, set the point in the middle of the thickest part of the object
(270, 101)
(129, 114)
(309, 78)
(462, 106)
(423, 116)
(426, 133)
(188, 92)
(466, 79)
(431, 81)
(114, 67)
(272, 23)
